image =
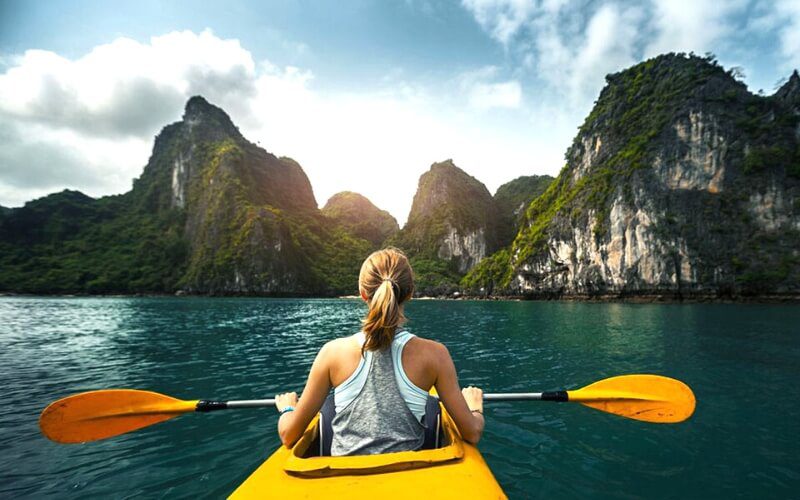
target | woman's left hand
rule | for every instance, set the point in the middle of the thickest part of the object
(285, 399)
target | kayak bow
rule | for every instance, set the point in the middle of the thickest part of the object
(455, 471)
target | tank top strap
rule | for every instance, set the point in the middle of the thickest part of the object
(401, 338)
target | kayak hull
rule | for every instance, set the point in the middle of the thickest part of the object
(455, 471)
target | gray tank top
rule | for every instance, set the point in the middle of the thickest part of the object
(378, 419)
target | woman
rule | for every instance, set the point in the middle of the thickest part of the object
(381, 376)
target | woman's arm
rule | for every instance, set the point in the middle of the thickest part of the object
(292, 424)
(466, 408)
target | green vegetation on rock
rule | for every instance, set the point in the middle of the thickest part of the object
(210, 214)
(452, 218)
(679, 182)
(70, 243)
(512, 198)
(490, 273)
(357, 215)
(629, 138)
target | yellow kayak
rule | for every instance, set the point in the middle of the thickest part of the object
(455, 470)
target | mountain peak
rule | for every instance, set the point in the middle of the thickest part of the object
(790, 91)
(453, 220)
(199, 111)
(361, 217)
(197, 105)
(445, 166)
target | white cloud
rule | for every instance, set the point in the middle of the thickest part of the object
(568, 46)
(501, 18)
(690, 25)
(485, 90)
(576, 64)
(36, 160)
(125, 88)
(88, 123)
(789, 32)
(496, 95)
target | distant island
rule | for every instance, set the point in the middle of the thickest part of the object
(680, 184)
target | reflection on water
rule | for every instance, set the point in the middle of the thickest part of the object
(743, 361)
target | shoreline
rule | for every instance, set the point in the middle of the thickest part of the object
(626, 299)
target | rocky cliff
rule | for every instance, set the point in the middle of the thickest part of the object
(680, 183)
(211, 213)
(357, 215)
(512, 198)
(68, 242)
(243, 206)
(452, 225)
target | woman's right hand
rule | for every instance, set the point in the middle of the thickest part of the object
(474, 398)
(284, 400)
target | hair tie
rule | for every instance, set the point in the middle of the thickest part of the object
(394, 284)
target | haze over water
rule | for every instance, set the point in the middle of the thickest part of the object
(742, 361)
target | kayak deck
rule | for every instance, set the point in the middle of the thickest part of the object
(456, 470)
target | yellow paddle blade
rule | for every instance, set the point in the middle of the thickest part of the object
(651, 398)
(95, 415)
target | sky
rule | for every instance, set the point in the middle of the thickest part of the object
(365, 95)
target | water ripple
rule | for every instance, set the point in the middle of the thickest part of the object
(742, 361)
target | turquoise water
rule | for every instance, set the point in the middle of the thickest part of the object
(743, 362)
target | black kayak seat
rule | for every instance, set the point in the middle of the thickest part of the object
(432, 421)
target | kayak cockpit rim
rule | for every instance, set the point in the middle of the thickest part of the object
(300, 464)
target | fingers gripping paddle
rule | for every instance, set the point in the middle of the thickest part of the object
(95, 415)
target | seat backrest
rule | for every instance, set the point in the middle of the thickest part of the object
(326, 415)
(432, 421)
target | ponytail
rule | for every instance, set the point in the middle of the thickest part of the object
(386, 280)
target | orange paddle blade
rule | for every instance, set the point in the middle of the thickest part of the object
(650, 398)
(95, 415)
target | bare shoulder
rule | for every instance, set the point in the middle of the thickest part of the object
(342, 350)
(341, 357)
(338, 346)
(435, 351)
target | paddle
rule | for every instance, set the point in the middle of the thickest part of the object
(95, 415)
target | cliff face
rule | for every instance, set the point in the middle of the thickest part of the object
(512, 198)
(789, 93)
(680, 183)
(211, 214)
(453, 214)
(452, 225)
(357, 215)
(241, 204)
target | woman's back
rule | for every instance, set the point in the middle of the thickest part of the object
(377, 408)
(417, 358)
(414, 395)
(374, 414)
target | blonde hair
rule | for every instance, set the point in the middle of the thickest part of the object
(386, 280)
